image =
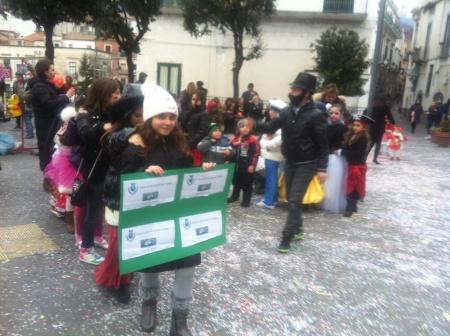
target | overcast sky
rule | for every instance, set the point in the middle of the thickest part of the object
(28, 27)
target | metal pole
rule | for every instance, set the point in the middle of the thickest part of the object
(374, 70)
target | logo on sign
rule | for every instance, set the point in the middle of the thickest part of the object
(132, 189)
(190, 180)
(186, 224)
(130, 235)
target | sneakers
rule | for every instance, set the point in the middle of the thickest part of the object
(298, 236)
(285, 245)
(90, 256)
(101, 243)
(264, 205)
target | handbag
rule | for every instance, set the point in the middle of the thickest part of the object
(80, 186)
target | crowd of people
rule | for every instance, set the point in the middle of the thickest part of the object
(90, 141)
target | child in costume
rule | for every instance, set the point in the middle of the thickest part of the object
(246, 146)
(355, 151)
(395, 143)
(124, 116)
(335, 184)
(61, 173)
(157, 145)
(215, 147)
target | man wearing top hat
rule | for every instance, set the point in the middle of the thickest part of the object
(305, 148)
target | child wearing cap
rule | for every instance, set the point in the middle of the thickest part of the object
(247, 150)
(355, 151)
(159, 144)
(215, 147)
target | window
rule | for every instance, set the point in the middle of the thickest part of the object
(338, 6)
(427, 41)
(108, 48)
(169, 77)
(430, 77)
(72, 70)
(386, 49)
(70, 45)
(446, 46)
(56, 45)
(89, 46)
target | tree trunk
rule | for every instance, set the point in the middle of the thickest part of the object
(238, 61)
(49, 49)
(130, 66)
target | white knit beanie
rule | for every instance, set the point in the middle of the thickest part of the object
(67, 113)
(157, 101)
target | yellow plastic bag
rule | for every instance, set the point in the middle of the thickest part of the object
(14, 106)
(314, 194)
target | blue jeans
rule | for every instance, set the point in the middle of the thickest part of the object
(28, 121)
(271, 191)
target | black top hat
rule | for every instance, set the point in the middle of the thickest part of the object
(124, 107)
(305, 81)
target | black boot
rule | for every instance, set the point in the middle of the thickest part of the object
(350, 209)
(123, 293)
(148, 318)
(246, 198)
(178, 326)
(235, 195)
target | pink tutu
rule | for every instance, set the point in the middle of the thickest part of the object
(66, 171)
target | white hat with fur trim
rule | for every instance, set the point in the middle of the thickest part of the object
(67, 113)
(157, 101)
(277, 104)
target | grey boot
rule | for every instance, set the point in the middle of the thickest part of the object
(148, 317)
(178, 326)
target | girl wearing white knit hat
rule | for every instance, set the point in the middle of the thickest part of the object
(158, 144)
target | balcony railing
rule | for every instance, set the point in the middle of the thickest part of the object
(393, 26)
(338, 6)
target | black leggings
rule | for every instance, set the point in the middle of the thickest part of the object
(94, 210)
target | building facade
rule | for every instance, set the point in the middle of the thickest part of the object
(173, 58)
(428, 78)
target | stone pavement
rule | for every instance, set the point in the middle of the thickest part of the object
(385, 271)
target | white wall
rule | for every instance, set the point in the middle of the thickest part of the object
(287, 52)
(79, 44)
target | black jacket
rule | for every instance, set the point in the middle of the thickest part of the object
(335, 133)
(114, 144)
(197, 127)
(304, 135)
(356, 152)
(379, 113)
(90, 129)
(166, 156)
(46, 101)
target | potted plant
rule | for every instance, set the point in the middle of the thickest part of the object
(442, 134)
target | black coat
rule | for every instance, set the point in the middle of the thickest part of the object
(90, 129)
(379, 113)
(46, 101)
(356, 153)
(335, 133)
(114, 144)
(197, 127)
(166, 156)
(304, 135)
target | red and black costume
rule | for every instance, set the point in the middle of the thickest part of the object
(355, 153)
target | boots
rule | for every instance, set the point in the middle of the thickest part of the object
(351, 207)
(148, 318)
(234, 196)
(178, 326)
(70, 223)
(246, 198)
